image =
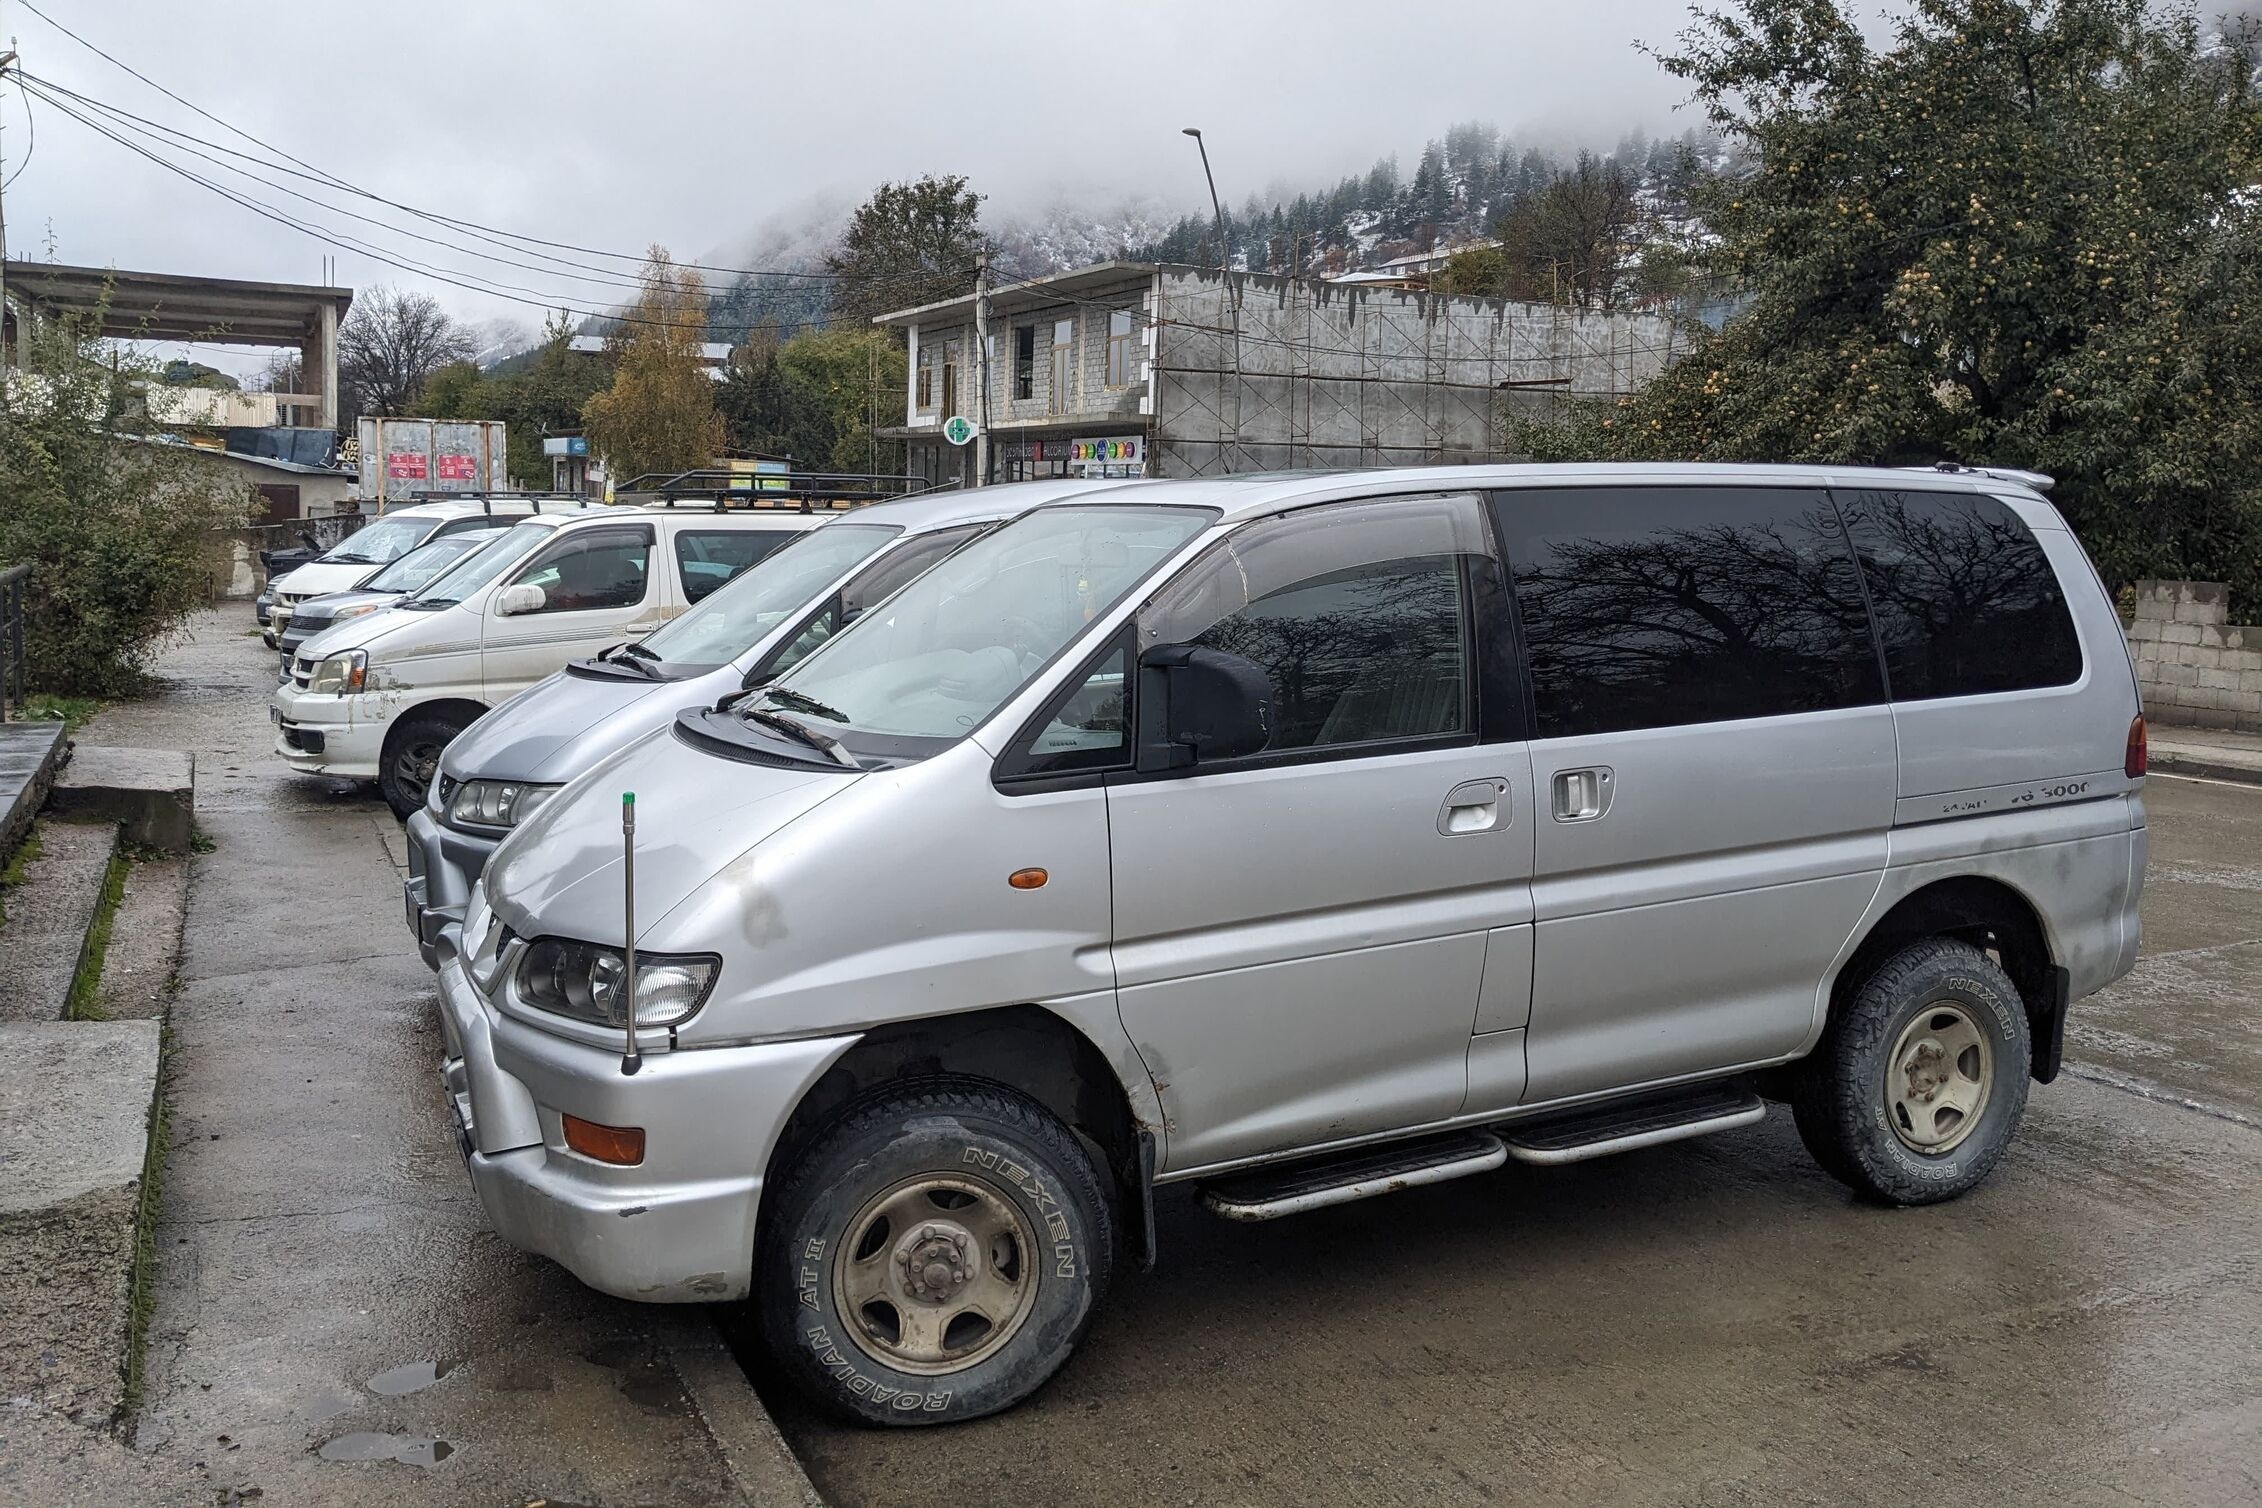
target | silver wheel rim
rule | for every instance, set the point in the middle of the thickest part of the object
(935, 1274)
(1938, 1078)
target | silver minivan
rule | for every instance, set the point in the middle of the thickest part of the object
(505, 765)
(1303, 839)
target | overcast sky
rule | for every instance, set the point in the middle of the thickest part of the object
(614, 123)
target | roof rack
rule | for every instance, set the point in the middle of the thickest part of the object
(487, 500)
(785, 491)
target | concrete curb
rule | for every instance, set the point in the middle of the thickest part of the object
(2203, 768)
(763, 1466)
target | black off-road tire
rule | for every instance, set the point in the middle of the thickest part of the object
(965, 1130)
(1843, 1100)
(408, 740)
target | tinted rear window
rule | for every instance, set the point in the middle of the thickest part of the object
(1965, 601)
(1657, 607)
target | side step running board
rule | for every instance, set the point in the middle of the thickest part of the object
(1624, 1126)
(1269, 1194)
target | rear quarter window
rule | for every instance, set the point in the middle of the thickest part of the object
(1660, 607)
(1965, 601)
(710, 558)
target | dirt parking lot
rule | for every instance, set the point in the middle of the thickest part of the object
(1717, 1322)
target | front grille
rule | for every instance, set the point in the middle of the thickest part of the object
(446, 786)
(302, 672)
(305, 740)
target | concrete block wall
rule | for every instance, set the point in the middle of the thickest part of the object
(2194, 665)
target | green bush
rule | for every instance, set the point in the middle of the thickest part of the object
(117, 522)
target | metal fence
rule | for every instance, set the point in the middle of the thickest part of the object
(12, 584)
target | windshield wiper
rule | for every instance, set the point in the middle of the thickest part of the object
(808, 704)
(802, 733)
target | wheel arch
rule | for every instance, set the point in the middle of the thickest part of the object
(1027, 1048)
(1991, 915)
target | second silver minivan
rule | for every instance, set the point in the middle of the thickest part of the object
(1303, 839)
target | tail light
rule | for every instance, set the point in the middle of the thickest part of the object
(2138, 756)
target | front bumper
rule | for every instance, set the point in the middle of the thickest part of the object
(342, 736)
(677, 1228)
(443, 865)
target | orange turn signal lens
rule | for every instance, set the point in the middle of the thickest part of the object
(1027, 879)
(622, 1146)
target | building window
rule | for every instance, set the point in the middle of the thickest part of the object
(949, 381)
(1063, 364)
(1119, 363)
(926, 392)
(1025, 361)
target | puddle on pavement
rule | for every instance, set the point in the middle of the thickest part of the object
(368, 1445)
(409, 1377)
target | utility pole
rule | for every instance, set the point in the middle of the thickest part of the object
(1227, 451)
(7, 61)
(982, 369)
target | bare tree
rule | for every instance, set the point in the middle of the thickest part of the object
(389, 345)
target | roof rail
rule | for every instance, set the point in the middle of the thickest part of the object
(2038, 480)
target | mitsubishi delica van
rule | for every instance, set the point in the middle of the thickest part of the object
(505, 765)
(378, 697)
(377, 544)
(1303, 840)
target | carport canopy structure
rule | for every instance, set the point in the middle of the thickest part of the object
(219, 311)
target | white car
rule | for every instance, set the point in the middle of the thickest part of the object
(377, 544)
(378, 697)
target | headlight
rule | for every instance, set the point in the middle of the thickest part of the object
(497, 803)
(584, 981)
(339, 615)
(340, 675)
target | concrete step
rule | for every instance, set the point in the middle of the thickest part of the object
(48, 912)
(29, 756)
(77, 1101)
(148, 792)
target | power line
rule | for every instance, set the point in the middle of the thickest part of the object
(31, 134)
(568, 303)
(332, 179)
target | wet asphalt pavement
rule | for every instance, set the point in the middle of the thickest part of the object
(1714, 1323)
(1718, 1323)
(335, 1323)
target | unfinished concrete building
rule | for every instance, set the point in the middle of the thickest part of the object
(1145, 369)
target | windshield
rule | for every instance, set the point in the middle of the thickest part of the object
(419, 567)
(469, 575)
(382, 542)
(728, 623)
(948, 650)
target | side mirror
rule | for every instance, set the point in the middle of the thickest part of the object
(1215, 705)
(311, 542)
(526, 597)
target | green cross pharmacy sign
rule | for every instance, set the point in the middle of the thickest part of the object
(958, 429)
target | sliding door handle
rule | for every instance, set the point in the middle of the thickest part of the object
(1582, 795)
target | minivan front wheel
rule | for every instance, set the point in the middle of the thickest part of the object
(1918, 1084)
(411, 758)
(934, 1256)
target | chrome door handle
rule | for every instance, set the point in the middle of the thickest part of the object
(1582, 795)
(1475, 806)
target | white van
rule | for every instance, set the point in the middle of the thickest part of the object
(377, 544)
(378, 697)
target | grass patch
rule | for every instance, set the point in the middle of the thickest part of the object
(18, 862)
(71, 711)
(200, 841)
(82, 1004)
(141, 1292)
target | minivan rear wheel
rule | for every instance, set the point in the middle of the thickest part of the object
(411, 758)
(1918, 1084)
(933, 1256)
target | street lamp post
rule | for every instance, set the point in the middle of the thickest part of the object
(1233, 294)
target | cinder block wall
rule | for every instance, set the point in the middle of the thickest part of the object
(2194, 665)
